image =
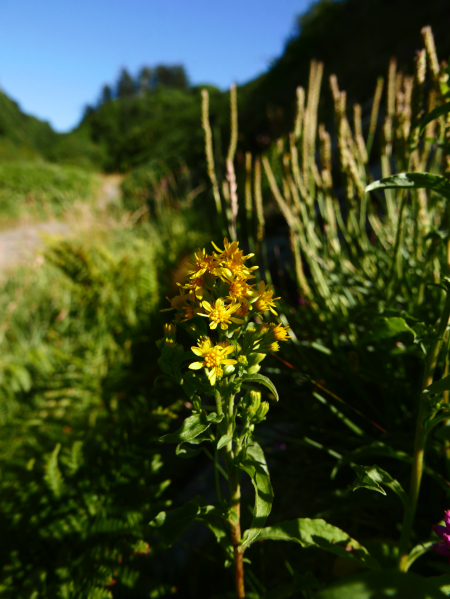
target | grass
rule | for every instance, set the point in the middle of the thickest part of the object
(40, 190)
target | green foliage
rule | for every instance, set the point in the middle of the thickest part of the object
(41, 189)
(81, 472)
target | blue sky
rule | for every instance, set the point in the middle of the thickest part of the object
(56, 54)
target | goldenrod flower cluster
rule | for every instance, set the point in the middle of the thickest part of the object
(220, 290)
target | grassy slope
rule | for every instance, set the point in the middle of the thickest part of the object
(40, 189)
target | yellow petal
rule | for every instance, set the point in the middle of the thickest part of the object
(228, 350)
(206, 305)
(229, 361)
(213, 325)
(212, 376)
(196, 365)
(236, 320)
(197, 351)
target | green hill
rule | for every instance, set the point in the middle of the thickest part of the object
(24, 137)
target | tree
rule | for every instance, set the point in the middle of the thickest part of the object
(126, 87)
(106, 94)
(145, 80)
(172, 76)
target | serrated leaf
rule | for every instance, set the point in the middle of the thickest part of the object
(372, 477)
(192, 427)
(224, 440)
(392, 583)
(255, 466)
(309, 532)
(436, 183)
(434, 114)
(262, 380)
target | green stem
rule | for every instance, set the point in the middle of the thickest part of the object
(235, 500)
(420, 439)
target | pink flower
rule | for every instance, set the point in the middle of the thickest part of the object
(443, 532)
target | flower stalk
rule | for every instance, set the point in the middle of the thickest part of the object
(421, 435)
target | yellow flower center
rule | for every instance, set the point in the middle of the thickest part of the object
(212, 358)
(238, 289)
(219, 314)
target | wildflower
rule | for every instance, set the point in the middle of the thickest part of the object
(196, 285)
(232, 259)
(203, 262)
(264, 298)
(443, 532)
(214, 357)
(177, 302)
(280, 332)
(239, 290)
(221, 314)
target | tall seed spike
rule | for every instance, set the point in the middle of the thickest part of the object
(374, 114)
(233, 123)
(209, 151)
(433, 61)
(300, 112)
(391, 87)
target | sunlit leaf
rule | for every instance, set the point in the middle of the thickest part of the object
(309, 532)
(262, 380)
(255, 466)
(413, 181)
(192, 427)
(372, 477)
(434, 114)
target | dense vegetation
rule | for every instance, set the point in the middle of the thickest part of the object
(92, 505)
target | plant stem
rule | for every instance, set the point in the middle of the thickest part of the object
(419, 443)
(235, 500)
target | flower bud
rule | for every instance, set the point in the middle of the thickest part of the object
(243, 360)
(228, 369)
(261, 413)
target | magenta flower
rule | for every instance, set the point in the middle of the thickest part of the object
(443, 532)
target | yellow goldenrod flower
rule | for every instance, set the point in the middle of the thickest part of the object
(177, 302)
(264, 300)
(196, 285)
(221, 314)
(213, 358)
(190, 312)
(203, 262)
(280, 332)
(239, 289)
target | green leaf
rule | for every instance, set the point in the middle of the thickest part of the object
(171, 525)
(386, 328)
(418, 551)
(318, 533)
(372, 477)
(434, 114)
(262, 380)
(192, 427)
(438, 386)
(52, 475)
(255, 466)
(392, 583)
(437, 183)
(224, 440)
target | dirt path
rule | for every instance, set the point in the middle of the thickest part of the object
(18, 246)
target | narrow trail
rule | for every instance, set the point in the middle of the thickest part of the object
(18, 246)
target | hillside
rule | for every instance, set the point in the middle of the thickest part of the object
(24, 137)
(155, 116)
